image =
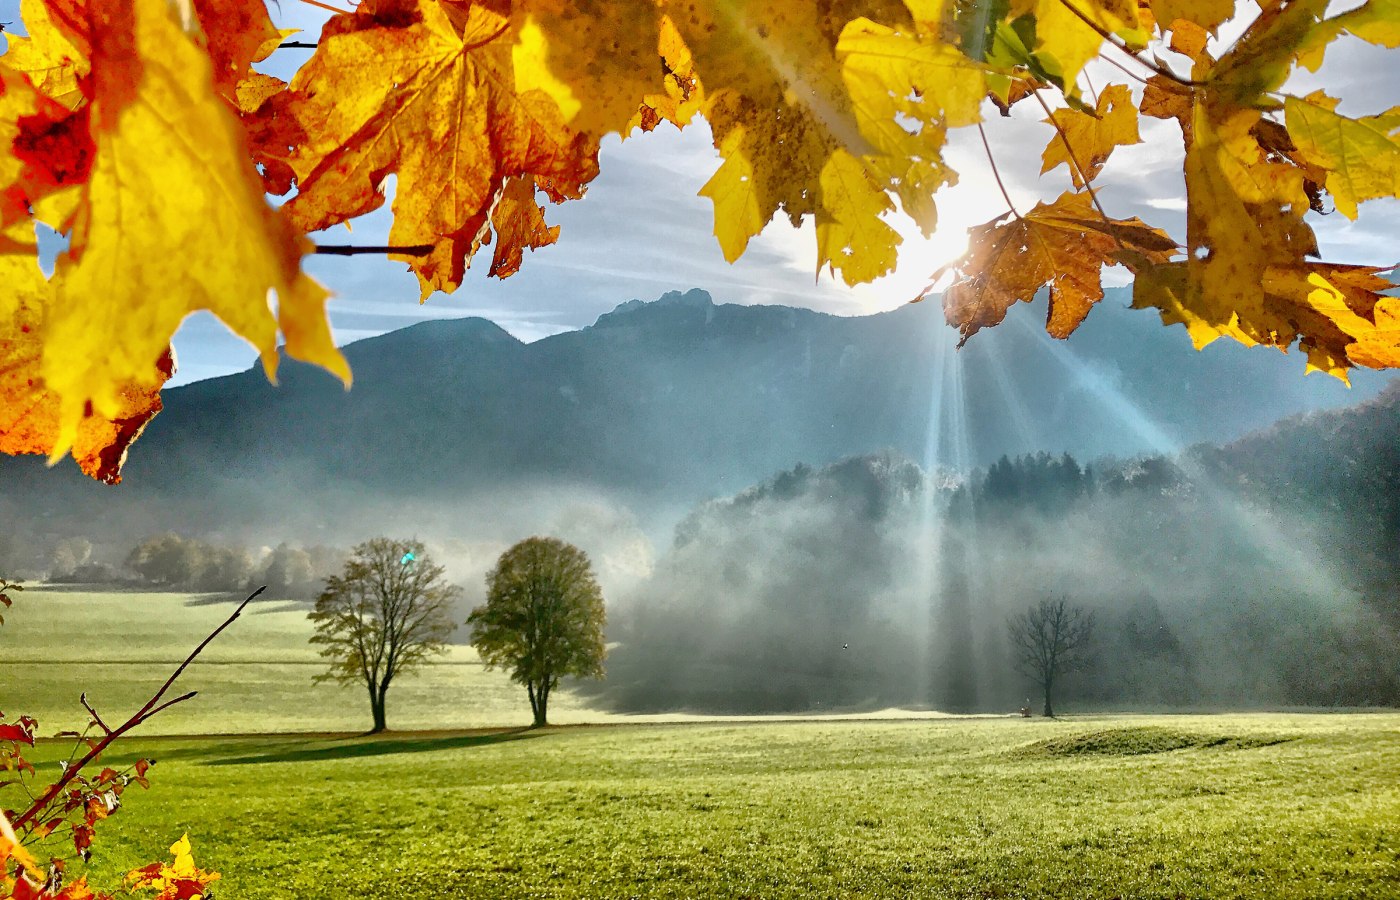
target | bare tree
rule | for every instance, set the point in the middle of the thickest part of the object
(385, 614)
(1049, 640)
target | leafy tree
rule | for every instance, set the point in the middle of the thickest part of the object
(385, 614)
(838, 113)
(1049, 640)
(543, 618)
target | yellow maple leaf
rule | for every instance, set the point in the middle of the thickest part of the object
(1065, 39)
(1375, 21)
(180, 879)
(1361, 156)
(1063, 245)
(1083, 141)
(597, 70)
(907, 88)
(851, 236)
(29, 414)
(53, 58)
(170, 219)
(778, 109)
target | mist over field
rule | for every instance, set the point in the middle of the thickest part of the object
(786, 516)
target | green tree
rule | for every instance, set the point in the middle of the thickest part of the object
(543, 618)
(383, 615)
(1051, 639)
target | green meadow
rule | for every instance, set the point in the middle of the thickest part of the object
(1240, 806)
(1266, 806)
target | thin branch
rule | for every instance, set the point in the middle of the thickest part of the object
(1069, 152)
(1113, 39)
(995, 173)
(298, 45)
(353, 250)
(1124, 69)
(92, 712)
(151, 708)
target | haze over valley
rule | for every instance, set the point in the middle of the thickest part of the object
(795, 512)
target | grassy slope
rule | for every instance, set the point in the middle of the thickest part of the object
(990, 808)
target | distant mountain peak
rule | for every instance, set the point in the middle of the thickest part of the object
(695, 298)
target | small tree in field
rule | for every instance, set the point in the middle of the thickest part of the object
(543, 618)
(385, 614)
(1049, 640)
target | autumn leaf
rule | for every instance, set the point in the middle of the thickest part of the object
(1360, 156)
(1083, 142)
(30, 420)
(1206, 15)
(1062, 245)
(907, 88)
(179, 879)
(52, 57)
(1069, 33)
(424, 90)
(519, 225)
(1375, 21)
(154, 237)
(237, 33)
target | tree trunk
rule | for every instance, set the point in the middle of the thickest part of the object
(376, 705)
(1049, 710)
(539, 703)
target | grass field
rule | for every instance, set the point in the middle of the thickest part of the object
(1269, 806)
(257, 677)
(1266, 806)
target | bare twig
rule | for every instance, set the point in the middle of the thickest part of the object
(995, 173)
(352, 250)
(298, 45)
(152, 707)
(92, 712)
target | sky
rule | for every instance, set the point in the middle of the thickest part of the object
(642, 229)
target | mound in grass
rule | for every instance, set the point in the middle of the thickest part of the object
(1138, 741)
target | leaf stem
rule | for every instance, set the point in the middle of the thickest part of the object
(1113, 39)
(995, 172)
(326, 6)
(354, 250)
(1069, 152)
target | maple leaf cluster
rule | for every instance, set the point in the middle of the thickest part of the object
(142, 131)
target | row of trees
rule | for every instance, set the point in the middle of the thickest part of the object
(389, 612)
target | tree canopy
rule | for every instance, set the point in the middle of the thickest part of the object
(543, 618)
(143, 131)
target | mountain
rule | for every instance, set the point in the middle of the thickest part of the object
(668, 403)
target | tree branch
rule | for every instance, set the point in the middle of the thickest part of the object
(151, 708)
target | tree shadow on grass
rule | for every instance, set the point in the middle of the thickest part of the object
(352, 748)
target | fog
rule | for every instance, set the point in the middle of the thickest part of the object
(871, 584)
